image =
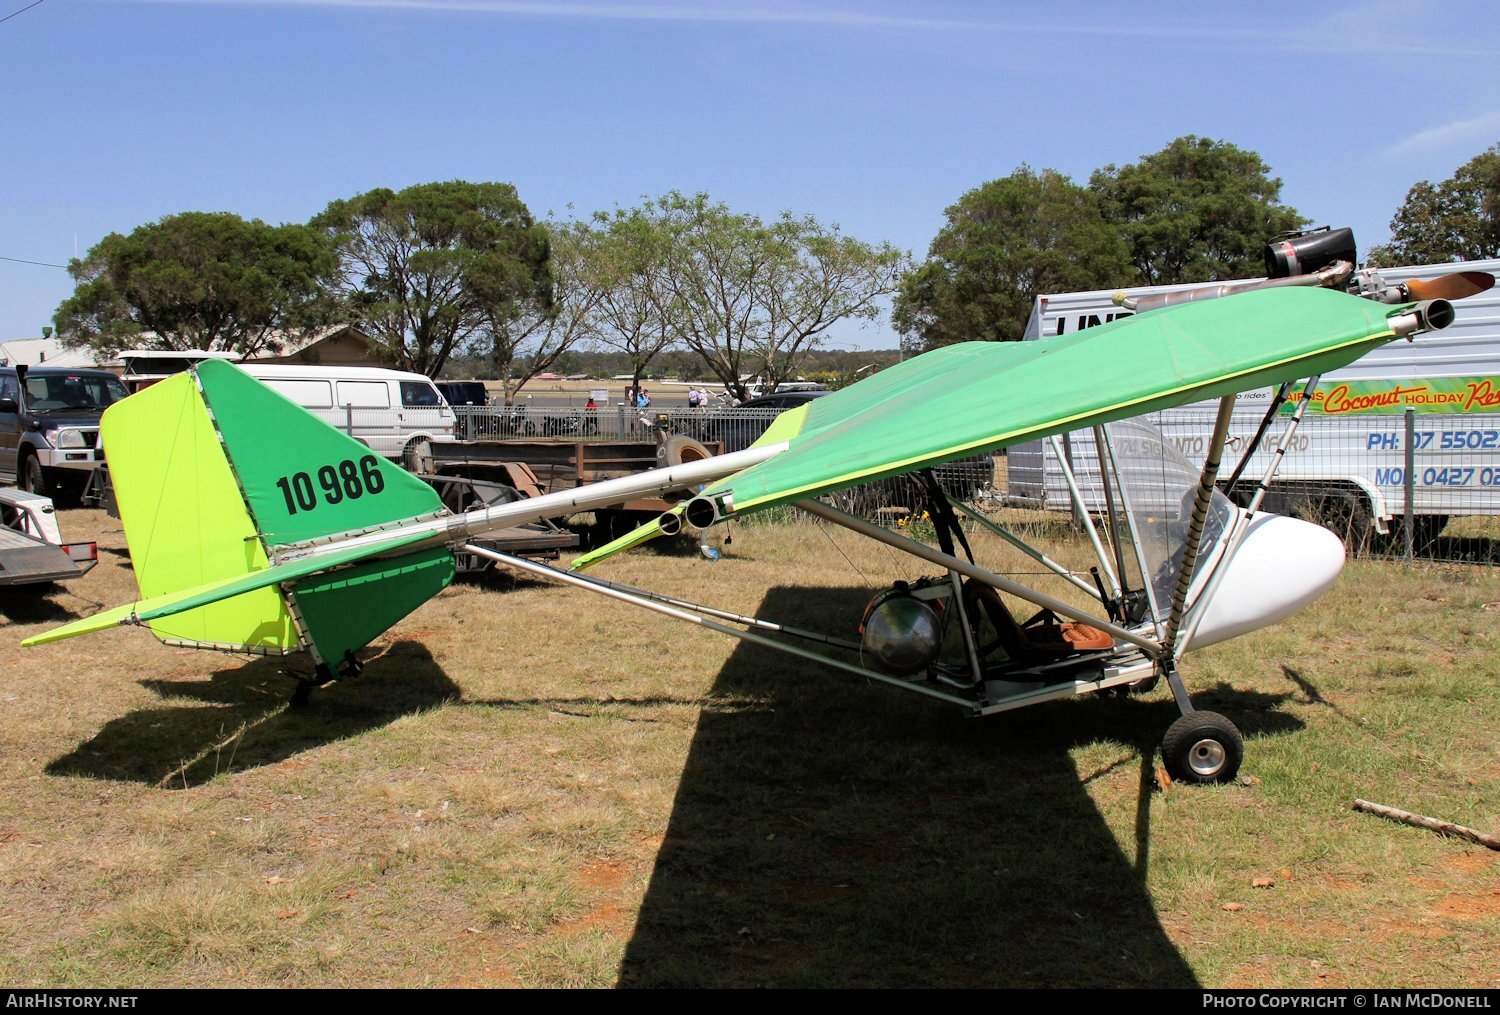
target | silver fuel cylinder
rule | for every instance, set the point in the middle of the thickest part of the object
(902, 635)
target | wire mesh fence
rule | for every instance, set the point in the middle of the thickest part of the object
(734, 429)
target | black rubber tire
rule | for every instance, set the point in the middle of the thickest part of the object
(1347, 515)
(32, 479)
(680, 448)
(1203, 748)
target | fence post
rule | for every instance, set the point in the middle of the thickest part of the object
(1079, 519)
(620, 430)
(1409, 481)
(349, 418)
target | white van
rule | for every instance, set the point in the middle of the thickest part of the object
(388, 411)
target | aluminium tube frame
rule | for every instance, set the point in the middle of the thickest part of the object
(1130, 526)
(1083, 511)
(578, 581)
(709, 611)
(1026, 548)
(1109, 506)
(451, 530)
(924, 552)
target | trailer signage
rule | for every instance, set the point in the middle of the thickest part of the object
(1435, 394)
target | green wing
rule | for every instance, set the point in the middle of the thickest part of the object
(981, 396)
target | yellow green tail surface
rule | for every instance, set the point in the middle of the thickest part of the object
(185, 522)
(213, 472)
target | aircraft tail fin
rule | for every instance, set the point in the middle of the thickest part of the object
(212, 472)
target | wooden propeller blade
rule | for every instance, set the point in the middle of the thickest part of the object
(1451, 287)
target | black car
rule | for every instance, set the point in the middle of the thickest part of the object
(464, 392)
(469, 422)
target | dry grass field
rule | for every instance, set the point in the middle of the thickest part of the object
(533, 786)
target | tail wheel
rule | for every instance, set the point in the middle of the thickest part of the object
(1202, 747)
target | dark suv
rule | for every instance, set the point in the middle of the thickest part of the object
(49, 432)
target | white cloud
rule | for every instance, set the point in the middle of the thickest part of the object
(1483, 129)
(1344, 32)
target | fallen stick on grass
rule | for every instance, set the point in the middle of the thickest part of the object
(1421, 821)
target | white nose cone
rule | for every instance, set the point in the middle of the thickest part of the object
(1281, 567)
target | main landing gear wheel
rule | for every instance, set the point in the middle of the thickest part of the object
(1202, 747)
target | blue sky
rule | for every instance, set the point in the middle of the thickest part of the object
(874, 115)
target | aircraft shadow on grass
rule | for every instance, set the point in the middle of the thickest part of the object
(34, 605)
(242, 721)
(853, 835)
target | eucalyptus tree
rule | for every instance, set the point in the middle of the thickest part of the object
(1006, 242)
(199, 280)
(427, 269)
(753, 298)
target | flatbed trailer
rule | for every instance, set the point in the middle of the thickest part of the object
(31, 547)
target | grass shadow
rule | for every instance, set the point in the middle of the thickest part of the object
(1464, 549)
(239, 719)
(858, 836)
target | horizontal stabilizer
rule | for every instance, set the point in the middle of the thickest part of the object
(216, 591)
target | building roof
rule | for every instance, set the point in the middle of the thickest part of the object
(34, 352)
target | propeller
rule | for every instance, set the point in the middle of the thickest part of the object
(1451, 287)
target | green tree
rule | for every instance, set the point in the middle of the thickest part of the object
(1456, 220)
(427, 269)
(1005, 243)
(1196, 211)
(199, 280)
(752, 297)
(627, 263)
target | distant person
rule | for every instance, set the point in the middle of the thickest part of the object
(694, 399)
(643, 399)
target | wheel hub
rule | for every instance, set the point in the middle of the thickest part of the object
(1206, 758)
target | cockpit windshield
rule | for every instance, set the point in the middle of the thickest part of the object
(1159, 486)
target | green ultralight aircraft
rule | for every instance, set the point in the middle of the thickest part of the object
(255, 527)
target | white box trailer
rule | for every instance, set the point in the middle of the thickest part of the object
(1347, 462)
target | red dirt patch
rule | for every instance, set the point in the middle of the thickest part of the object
(1470, 863)
(604, 874)
(1469, 907)
(1334, 883)
(607, 917)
